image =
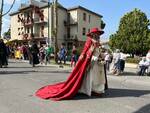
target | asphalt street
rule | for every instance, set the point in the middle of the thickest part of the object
(19, 82)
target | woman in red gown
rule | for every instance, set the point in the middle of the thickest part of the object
(69, 88)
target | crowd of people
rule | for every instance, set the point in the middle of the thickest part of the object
(114, 61)
(35, 53)
(32, 52)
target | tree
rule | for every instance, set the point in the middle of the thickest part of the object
(102, 24)
(3, 14)
(133, 33)
(6, 35)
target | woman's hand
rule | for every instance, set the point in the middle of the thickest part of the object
(92, 48)
(81, 57)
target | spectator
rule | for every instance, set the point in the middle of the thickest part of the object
(74, 56)
(48, 52)
(34, 54)
(143, 65)
(62, 54)
(42, 54)
(122, 61)
(116, 62)
(107, 60)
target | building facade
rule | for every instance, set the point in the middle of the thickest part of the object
(37, 23)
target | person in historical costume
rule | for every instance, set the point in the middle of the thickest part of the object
(34, 50)
(87, 76)
(3, 54)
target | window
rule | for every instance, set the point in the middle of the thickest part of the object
(42, 27)
(84, 16)
(89, 18)
(28, 30)
(84, 31)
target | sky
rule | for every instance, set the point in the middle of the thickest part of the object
(111, 10)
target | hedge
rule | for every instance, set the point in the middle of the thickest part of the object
(133, 60)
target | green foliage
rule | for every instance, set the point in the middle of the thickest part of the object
(133, 60)
(133, 35)
(102, 24)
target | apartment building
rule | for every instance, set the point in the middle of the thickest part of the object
(37, 23)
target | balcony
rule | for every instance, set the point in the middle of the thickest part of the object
(67, 23)
(39, 21)
(28, 36)
(70, 38)
(28, 22)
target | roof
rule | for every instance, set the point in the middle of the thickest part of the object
(29, 6)
(85, 9)
(13, 13)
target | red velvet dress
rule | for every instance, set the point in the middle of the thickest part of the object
(70, 87)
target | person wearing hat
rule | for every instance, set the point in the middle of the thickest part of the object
(94, 79)
(88, 72)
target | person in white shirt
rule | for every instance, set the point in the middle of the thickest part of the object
(143, 64)
(107, 60)
(122, 61)
(116, 62)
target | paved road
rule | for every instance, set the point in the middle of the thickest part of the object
(126, 94)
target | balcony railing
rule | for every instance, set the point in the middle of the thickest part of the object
(67, 23)
(28, 36)
(70, 38)
(39, 21)
(28, 21)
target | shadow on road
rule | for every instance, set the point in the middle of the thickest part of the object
(31, 71)
(144, 109)
(15, 72)
(81, 96)
(114, 93)
(27, 67)
(56, 71)
(129, 74)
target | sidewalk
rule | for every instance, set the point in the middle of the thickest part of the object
(131, 65)
(140, 80)
(52, 64)
(129, 68)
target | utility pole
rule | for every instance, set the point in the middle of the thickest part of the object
(55, 30)
(1, 14)
(48, 40)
